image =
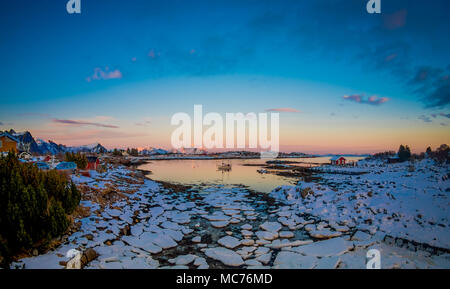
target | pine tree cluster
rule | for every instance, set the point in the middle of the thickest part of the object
(34, 205)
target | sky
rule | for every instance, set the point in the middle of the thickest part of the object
(343, 80)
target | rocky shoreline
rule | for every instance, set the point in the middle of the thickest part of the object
(135, 222)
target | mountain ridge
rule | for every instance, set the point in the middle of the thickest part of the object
(49, 147)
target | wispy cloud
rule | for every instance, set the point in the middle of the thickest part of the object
(425, 118)
(432, 84)
(283, 109)
(374, 100)
(435, 115)
(359, 98)
(354, 97)
(104, 74)
(82, 123)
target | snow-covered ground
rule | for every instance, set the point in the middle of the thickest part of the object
(390, 198)
(334, 226)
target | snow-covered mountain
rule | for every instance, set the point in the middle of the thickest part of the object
(93, 148)
(154, 151)
(49, 147)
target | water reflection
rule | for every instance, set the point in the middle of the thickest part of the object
(241, 172)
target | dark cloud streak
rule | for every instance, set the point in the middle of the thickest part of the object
(82, 123)
(359, 98)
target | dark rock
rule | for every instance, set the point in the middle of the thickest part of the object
(90, 237)
(307, 191)
(126, 230)
(63, 263)
(88, 256)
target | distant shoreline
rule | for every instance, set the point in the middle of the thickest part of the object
(138, 160)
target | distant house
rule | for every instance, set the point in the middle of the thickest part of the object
(338, 160)
(8, 143)
(93, 163)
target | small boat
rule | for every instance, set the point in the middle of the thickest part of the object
(224, 167)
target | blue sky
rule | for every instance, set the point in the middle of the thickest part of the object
(119, 70)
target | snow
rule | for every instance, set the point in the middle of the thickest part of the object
(229, 242)
(291, 260)
(246, 227)
(183, 259)
(286, 234)
(324, 234)
(248, 242)
(72, 253)
(143, 244)
(388, 198)
(269, 236)
(285, 243)
(252, 262)
(332, 228)
(331, 247)
(226, 256)
(219, 224)
(160, 239)
(328, 262)
(265, 258)
(271, 226)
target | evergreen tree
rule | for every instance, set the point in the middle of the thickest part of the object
(78, 158)
(133, 152)
(442, 153)
(117, 153)
(404, 153)
(34, 205)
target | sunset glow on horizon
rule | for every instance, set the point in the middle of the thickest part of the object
(343, 81)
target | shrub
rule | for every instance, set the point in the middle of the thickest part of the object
(79, 159)
(34, 205)
(133, 152)
(442, 153)
(117, 153)
(384, 155)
